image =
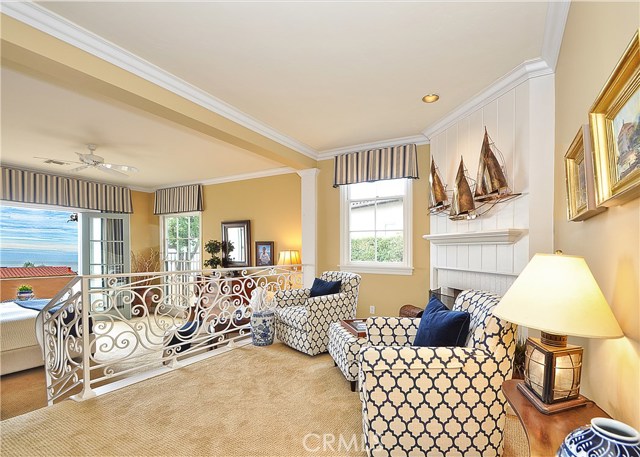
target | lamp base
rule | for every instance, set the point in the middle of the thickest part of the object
(554, 407)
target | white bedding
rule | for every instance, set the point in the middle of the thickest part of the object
(17, 327)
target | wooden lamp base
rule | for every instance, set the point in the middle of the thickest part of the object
(554, 407)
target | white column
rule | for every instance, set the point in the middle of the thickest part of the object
(309, 214)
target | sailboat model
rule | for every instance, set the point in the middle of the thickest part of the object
(491, 184)
(438, 200)
(462, 203)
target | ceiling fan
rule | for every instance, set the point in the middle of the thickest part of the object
(91, 160)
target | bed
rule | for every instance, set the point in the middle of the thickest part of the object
(19, 348)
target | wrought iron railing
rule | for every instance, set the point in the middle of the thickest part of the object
(106, 328)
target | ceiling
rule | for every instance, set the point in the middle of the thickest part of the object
(326, 74)
(44, 119)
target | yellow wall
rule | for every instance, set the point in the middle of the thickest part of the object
(272, 204)
(144, 225)
(386, 292)
(595, 37)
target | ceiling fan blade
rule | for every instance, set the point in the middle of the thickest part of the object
(67, 162)
(114, 166)
(102, 167)
(82, 167)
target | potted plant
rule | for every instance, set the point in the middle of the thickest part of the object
(219, 251)
(25, 292)
(145, 261)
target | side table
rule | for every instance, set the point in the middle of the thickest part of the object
(546, 433)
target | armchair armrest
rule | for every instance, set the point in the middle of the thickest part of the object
(291, 297)
(396, 358)
(392, 331)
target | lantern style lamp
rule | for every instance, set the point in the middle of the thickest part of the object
(558, 295)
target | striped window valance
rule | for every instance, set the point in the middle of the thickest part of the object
(376, 164)
(26, 186)
(183, 199)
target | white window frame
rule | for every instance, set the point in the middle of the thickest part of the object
(163, 244)
(387, 268)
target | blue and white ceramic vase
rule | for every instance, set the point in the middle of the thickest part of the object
(262, 327)
(604, 438)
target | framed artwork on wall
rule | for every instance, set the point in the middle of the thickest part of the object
(264, 253)
(615, 127)
(578, 167)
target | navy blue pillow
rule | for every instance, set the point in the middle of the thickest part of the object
(441, 327)
(321, 287)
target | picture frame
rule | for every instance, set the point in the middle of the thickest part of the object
(578, 166)
(614, 120)
(265, 253)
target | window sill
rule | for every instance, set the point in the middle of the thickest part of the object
(377, 270)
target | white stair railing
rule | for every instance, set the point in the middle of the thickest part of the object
(103, 329)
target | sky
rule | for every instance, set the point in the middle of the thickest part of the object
(36, 235)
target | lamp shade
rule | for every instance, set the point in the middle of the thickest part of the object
(289, 258)
(557, 294)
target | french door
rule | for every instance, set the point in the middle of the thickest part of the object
(105, 250)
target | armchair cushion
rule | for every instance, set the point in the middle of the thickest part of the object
(321, 287)
(294, 316)
(440, 327)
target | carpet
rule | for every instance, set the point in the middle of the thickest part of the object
(251, 401)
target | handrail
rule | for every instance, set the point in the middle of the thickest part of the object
(110, 326)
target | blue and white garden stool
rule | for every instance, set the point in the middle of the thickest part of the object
(262, 327)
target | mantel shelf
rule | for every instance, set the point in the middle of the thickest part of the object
(502, 236)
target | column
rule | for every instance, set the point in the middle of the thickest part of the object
(309, 214)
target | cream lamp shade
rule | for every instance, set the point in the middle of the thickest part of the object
(557, 294)
(289, 258)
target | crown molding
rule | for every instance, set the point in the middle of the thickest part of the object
(557, 14)
(527, 70)
(330, 153)
(57, 26)
(239, 177)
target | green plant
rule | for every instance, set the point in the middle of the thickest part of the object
(219, 251)
(25, 288)
(389, 249)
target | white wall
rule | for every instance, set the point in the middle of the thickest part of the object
(521, 123)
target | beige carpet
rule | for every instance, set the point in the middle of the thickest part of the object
(248, 402)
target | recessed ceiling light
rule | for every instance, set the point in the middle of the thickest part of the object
(430, 98)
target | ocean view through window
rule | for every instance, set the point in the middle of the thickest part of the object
(32, 236)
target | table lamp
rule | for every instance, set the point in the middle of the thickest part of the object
(289, 258)
(558, 295)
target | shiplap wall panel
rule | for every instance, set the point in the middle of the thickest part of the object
(488, 266)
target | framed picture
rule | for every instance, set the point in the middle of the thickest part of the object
(578, 167)
(615, 127)
(264, 253)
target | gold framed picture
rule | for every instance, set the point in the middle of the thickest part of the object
(615, 127)
(578, 167)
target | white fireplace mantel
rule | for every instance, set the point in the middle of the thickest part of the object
(502, 236)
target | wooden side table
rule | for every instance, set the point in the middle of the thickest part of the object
(546, 433)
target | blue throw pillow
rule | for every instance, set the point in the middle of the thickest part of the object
(321, 287)
(441, 327)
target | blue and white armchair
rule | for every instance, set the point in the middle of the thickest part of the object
(436, 400)
(302, 322)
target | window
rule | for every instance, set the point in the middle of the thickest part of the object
(181, 242)
(376, 227)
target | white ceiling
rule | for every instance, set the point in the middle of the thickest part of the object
(40, 118)
(325, 74)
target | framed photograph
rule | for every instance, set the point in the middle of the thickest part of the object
(615, 127)
(264, 253)
(578, 167)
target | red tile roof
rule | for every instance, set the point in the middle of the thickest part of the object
(34, 272)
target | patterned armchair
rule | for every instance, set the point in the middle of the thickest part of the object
(302, 322)
(436, 400)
